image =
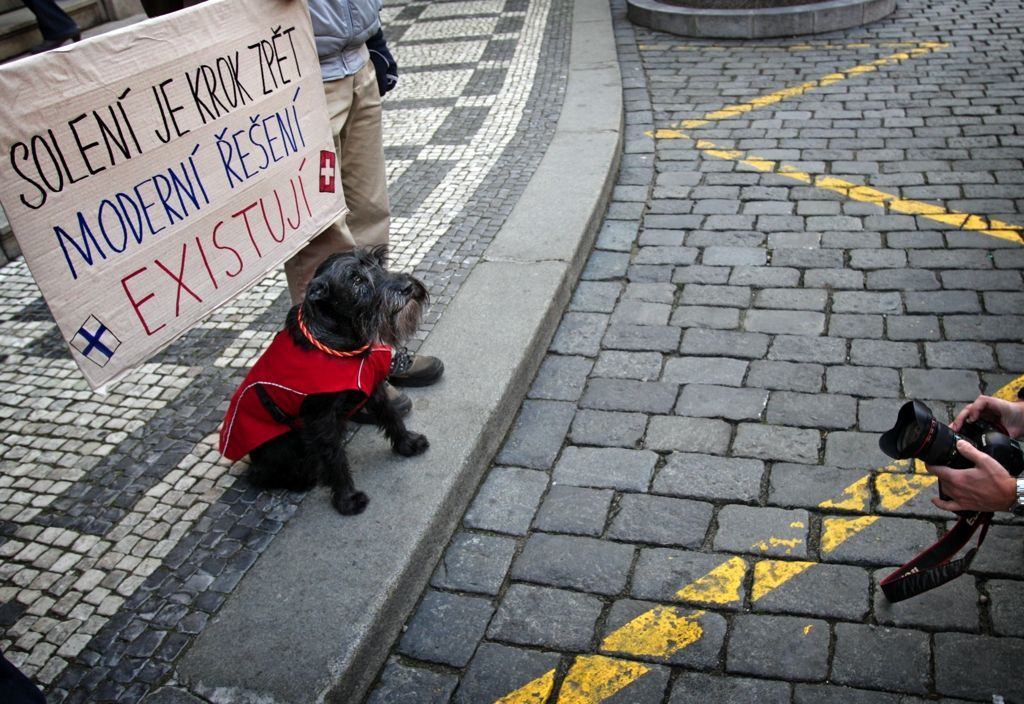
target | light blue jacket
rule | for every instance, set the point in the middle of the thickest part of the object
(341, 28)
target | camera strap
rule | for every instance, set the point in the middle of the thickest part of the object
(933, 567)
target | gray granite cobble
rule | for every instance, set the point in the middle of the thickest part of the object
(966, 664)
(853, 449)
(941, 384)
(632, 311)
(710, 477)
(879, 657)
(474, 562)
(826, 591)
(446, 628)
(774, 442)
(661, 338)
(612, 468)
(660, 520)
(951, 607)
(571, 509)
(762, 531)
(630, 395)
(784, 322)
(721, 402)
(748, 345)
(538, 434)
(826, 411)
(943, 302)
(757, 641)
(595, 296)
(706, 317)
(561, 378)
(820, 350)
(766, 277)
(694, 687)
(959, 355)
(411, 685)
(912, 327)
(498, 669)
(545, 617)
(574, 562)
(863, 381)
(702, 435)
(878, 543)
(789, 376)
(662, 573)
(507, 500)
(873, 353)
(720, 371)
(791, 299)
(1007, 619)
(854, 326)
(607, 428)
(580, 334)
(643, 366)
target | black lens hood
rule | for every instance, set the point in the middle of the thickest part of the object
(912, 413)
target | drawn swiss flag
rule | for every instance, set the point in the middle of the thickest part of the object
(328, 161)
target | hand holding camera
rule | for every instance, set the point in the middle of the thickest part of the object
(977, 463)
(987, 486)
(974, 457)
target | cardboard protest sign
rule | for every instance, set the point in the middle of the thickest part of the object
(153, 173)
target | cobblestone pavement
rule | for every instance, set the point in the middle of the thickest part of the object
(122, 531)
(691, 505)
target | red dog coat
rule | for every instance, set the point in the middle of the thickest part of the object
(289, 374)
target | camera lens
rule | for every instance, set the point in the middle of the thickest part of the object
(918, 434)
(909, 438)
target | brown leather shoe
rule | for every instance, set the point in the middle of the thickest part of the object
(408, 369)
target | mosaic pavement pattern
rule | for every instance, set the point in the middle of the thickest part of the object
(122, 531)
(691, 505)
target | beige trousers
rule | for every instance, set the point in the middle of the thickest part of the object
(353, 104)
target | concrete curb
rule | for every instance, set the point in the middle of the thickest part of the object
(315, 617)
(757, 24)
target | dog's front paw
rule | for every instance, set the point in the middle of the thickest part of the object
(412, 444)
(351, 504)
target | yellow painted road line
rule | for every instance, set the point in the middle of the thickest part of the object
(665, 630)
(534, 692)
(794, 91)
(769, 575)
(657, 633)
(720, 586)
(594, 678)
(860, 192)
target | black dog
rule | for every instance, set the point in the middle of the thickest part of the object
(289, 414)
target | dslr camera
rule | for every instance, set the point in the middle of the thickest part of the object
(918, 434)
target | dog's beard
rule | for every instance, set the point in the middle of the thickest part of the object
(402, 322)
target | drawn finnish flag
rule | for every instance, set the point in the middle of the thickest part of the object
(95, 341)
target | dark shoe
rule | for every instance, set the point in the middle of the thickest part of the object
(48, 44)
(409, 369)
(401, 402)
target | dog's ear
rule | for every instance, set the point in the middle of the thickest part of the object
(380, 255)
(318, 290)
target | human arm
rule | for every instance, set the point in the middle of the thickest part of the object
(383, 62)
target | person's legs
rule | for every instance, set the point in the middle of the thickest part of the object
(155, 8)
(364, 178)
(54, 24)
(337, 237)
